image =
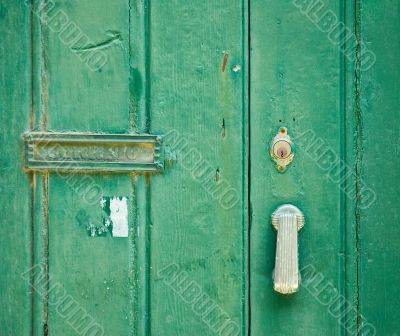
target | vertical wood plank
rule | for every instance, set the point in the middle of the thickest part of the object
(300, 79)
(87, 70)
(196, 95)
(379, 232)
(40, 181)
(140, 82)
(15, 185)
(348, 284)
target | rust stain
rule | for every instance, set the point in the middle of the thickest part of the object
(225, 62)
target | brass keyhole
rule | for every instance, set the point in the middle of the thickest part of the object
(282, 152)
(282, 149)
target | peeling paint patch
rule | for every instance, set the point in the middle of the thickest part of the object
(236, 68)
(115, 215)
(113, 222)
(93, 230)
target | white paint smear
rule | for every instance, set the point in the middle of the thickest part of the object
(119, 216)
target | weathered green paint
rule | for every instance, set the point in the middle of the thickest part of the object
(15, 189)
(379, 232)
(94, 272)
(201, 231)
(299, 80)
(117, 281)
(196, 100)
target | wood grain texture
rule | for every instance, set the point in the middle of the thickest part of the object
(379, 230)
(15, 106)
(302, 81)
(197, 93)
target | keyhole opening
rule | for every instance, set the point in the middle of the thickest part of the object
(282, 152)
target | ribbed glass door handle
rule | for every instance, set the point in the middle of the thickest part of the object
(287, 220)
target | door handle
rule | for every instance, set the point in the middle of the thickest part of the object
(287, 220)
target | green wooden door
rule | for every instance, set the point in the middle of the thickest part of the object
(328, 71)
(217, 80)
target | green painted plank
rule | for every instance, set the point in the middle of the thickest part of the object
(196, 92)
(40, 246)
(85, 84)
(38, 121)
(349, 137)
(139, 84)
(300, 79)
(379, 112)
(88, 69)
(92, 270)
(15, 106)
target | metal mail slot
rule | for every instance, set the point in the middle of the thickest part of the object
(77, 152)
